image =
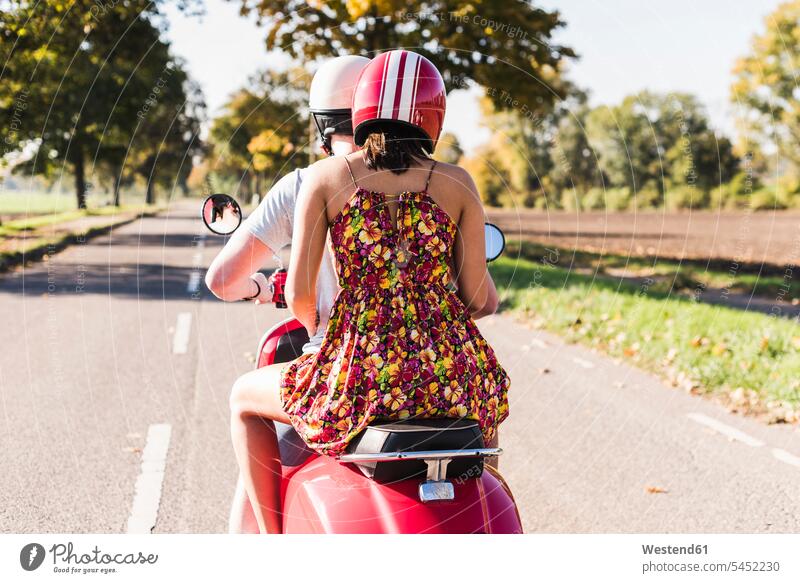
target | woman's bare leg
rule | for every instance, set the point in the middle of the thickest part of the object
(255, 403)
(241, 520)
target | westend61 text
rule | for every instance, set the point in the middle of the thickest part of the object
(671, 550)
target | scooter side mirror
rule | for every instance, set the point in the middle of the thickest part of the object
(495, 241)
(221, 214)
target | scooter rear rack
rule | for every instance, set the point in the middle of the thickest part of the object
(436, 487)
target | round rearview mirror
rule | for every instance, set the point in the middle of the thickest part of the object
(221, 214)
(495, 241)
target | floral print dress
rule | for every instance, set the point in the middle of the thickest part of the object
(399, 342)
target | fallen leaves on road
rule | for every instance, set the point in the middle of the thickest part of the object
(657, 490)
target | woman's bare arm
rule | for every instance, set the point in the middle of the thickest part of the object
(475, 286)
(308, 245)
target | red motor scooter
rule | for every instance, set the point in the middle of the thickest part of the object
(412, 476)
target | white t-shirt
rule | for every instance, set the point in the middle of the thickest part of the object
(273, 222)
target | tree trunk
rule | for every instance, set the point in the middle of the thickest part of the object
(80, 178)
(150, 197)
(117, 181)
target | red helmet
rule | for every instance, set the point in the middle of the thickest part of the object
(402, 87)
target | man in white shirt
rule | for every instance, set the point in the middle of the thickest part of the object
(234, 274)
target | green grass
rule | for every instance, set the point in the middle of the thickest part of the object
(38, 244)
(697, 346)
(28, 203)
(24, 202)
(38, 221)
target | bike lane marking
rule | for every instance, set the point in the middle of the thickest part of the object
(147, 493)
(183, 328)
(582, 362)
(786, 457)
(727, 430)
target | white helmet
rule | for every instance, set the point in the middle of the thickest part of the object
(331, 96)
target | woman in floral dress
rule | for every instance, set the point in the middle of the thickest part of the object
(401, 341)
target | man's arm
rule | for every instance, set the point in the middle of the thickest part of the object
(266, 230)
(229, 276)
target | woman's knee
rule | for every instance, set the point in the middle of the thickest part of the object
(256, 393)
(240, 395)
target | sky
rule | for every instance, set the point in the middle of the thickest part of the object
(624, 46)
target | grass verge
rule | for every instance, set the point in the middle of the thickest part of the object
(750, 360)
(39, 221)
(37, 246)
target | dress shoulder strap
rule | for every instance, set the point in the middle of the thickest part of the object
(430, 174)
(350, 171)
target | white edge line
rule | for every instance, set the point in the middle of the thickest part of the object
(147, 496)
(726, 430)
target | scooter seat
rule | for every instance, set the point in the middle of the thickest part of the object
(418, 435)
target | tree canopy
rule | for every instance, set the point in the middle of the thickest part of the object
(500, 44)
(765, 85)
(79, 79)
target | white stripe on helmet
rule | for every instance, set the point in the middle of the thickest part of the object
(409, 80)
(414, 92)
(390, 85)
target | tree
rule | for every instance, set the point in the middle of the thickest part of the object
(263, 129)
(78, 67)
(167, 137)
(656, 141)
(448, 149)
(575, 164)
(490, 177)
(765, 85)
(497, 44)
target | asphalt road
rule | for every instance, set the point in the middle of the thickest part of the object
(117, 337)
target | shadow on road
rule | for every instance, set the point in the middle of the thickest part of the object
(164, 241)
(138, 280)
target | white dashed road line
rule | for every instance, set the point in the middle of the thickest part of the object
(147, 495)
(581, 362)
(727, 430)
(183, 327)
(194, 282)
